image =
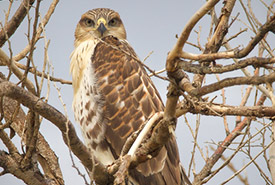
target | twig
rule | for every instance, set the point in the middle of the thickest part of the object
(241, 145)
(245, 166)
(222, 147)
(195, 144)
(46, 60)
(244, 100)
(11, 63)
(45, 20)
(15, 21)
(45, 75)
(231, 166)
(251, 13)
(265, 177)
(269, 25)
(136, 59)
(157, 72)
(7, 14)
(194, 45)
(250, 20)
(198, 39)
(223, 102)
(77, 169)
(234, 36)
(149, 54)
(68, 135)
(67, 128)
(177, 49)
(268, 7)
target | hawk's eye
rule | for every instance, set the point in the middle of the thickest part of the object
(89, 22)
(113, 22)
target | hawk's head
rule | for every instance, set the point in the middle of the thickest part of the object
(98, 23)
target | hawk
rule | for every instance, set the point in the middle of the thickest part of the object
(114, 96)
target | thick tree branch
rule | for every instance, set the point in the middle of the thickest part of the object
(245, 71)
(28, 176)
(50, 113)
(46, 156)
(228, 82)
(187, 86)
(214, 44)
(199, 69)
(212, 109)
(11, 163)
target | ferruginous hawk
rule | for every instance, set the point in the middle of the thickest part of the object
(114, 96)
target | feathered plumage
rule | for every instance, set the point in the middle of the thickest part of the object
(114, 96)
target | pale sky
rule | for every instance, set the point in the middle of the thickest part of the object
(151, 26)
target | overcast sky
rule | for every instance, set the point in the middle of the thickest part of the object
(151, 26)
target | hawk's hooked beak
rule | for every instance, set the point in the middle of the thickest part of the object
(101, 26)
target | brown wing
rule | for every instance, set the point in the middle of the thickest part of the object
(130, 98)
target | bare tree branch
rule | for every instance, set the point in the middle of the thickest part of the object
(222, 147)
(42, 25)
(268, 26)
(28, 176)
(50, 113)
(254, 80)
(199, 69)
(11, 64)
(38, 73)
(212, 109)
(15, 21)
(11, 164)
(46, 156)
(175, 52)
